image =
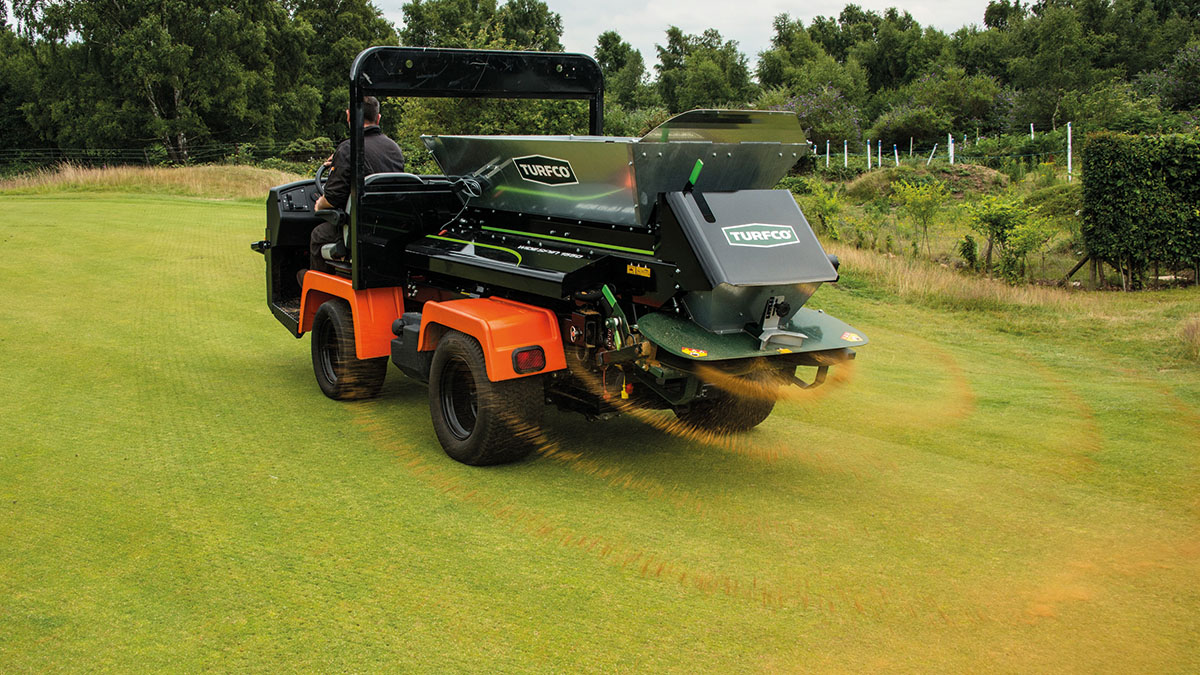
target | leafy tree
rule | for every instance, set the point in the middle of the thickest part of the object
(791, 47)
(824, 113)
(1057, 58)
(701, 71)
(170, 71)
(446, 23)
(1001, 14)
(1030, 237)
(852, 27)
(624, 72)
(800, 66)
(341, 29)
(525, 24)
(995, 219)
(900, 52)
(531, 24)
(921, 202)
(16, 81)
(1177, 84)
(1113, 105)
(920, 122)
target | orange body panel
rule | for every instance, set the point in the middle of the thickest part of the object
(374, 310)
(500, 326)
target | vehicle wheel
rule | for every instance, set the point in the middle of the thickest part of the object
(341, 374)
(726, 412)
(477, 421)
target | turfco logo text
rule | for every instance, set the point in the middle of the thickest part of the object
(760, 235)
(545, 170)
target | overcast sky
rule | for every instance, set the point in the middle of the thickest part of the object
(643, 23)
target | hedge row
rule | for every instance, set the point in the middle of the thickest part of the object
(1141, 199)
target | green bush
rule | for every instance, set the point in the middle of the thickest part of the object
(969, 251)
(922, 123)
(825, 203)
(995, 219)
(1140, 197)
(921, 202)
(1064, 200)
(797, 185)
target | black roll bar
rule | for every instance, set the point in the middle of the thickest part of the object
(426, 72)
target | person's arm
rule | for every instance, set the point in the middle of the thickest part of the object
(337, 188)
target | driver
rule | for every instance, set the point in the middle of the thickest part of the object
(380, 155)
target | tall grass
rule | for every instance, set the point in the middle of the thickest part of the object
(219, 182)
(937, 285)
(1189, 334)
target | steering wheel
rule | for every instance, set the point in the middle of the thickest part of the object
(321, 178)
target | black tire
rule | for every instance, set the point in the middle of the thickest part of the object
(724, 412)
(341, 374)
(477, 421)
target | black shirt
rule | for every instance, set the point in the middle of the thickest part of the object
(381, 155)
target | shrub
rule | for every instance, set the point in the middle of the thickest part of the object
(1062, 201)
(797, 185)
(923, 123)
(824, 112)
(1140, 196)
(995, 219)
(1045, 175)
(308, 149)
(969, 251)
(825, 203)
(1030, 236)
(921, 202)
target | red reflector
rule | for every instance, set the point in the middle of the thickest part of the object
(529, 359)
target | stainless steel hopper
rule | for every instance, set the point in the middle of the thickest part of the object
(617, 180)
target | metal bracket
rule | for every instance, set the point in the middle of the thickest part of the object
(822, 371)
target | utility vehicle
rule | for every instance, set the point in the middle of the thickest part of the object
(593, 273)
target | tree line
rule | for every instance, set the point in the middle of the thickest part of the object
(173, 74)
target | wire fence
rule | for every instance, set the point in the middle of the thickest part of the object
(852, 156)
(18, 160)
(1014, 154)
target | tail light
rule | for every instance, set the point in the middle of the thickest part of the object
(528, 360)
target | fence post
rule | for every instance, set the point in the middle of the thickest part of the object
(931, 154)
(1068, 152)
(950, 149)
(879, 153)
(868, 154)
(1031, 131)
(896, 154)
(910, 147)
(826, 153)
(846, 154)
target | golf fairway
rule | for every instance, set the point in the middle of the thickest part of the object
(1005, 490)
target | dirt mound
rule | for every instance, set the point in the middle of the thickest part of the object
(960, 179)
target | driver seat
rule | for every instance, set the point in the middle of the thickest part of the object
(337, 217)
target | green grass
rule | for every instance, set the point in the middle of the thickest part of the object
(1011, 489)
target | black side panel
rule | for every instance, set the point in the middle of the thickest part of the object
(290, 221)
(751, 238)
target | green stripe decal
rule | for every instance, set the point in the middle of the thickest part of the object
(544, 194)
(475, 243)
(581, 242)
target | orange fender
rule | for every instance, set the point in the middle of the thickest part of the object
(374, 310)
(501, 327)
